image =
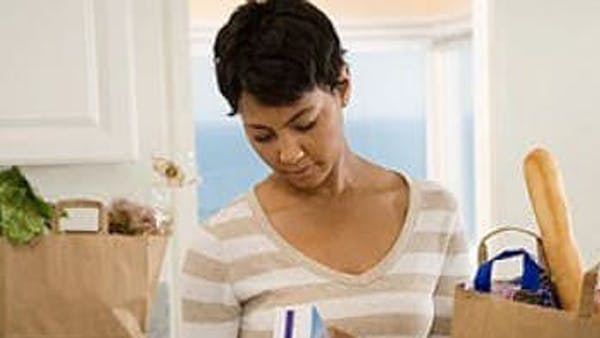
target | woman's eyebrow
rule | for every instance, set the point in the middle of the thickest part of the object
(298, 115)
(257, 126)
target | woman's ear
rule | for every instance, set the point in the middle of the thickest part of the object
(344, 85)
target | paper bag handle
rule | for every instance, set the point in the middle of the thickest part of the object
(588, 288)
(482, 251)
(530, 279)
(80, 203)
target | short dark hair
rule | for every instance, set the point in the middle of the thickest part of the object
(276, 50)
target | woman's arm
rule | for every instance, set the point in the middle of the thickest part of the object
(456, 269)
(208, 306)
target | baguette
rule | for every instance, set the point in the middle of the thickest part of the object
(545, 187)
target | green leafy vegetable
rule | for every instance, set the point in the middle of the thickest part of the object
(23, 214)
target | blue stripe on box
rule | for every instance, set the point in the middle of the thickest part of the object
(289, 324)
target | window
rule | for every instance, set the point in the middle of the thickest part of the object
(226, 163)
(385, 120)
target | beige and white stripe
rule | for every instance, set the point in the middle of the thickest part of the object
(236, 275)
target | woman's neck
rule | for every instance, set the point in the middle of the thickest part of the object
(342, 180)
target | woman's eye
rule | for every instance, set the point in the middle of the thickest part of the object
(263, 138)
(306, 126)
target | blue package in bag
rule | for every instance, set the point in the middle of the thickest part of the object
(533, 287)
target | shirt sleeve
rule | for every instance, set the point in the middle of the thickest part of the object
(456, 269)
(209, 307)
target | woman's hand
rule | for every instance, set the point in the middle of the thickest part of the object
(337, 333)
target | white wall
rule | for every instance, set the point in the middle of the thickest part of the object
(544, 81)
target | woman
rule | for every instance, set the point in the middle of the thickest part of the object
(376, 252)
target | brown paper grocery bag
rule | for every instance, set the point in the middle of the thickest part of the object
(79, 284)
(482, 315)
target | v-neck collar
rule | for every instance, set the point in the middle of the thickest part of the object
(365, 277)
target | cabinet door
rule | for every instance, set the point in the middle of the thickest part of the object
(67, 82)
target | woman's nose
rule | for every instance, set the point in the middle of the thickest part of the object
(290, 152)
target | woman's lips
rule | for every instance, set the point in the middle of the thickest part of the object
(300, 173)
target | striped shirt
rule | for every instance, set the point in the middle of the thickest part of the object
(238, 271)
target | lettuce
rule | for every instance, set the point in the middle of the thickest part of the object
(23, 214)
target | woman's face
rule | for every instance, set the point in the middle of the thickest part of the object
(301, 142)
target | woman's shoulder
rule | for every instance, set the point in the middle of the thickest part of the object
(434, 195)
(436, 211)
(226, 234)
(426, 193)
(234, 220)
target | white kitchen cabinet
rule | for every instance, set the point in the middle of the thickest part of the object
(67, 82)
